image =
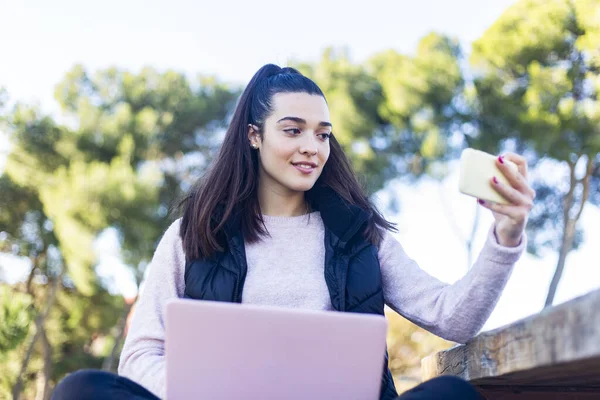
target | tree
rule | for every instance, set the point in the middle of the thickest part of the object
(537, 83)
(38, 327)
(421, 103)
(169, 126)
(428, 109)
(130, 145)
(26, 233)
(16, 314)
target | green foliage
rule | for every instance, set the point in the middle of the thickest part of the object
(537, 75)
(15, 318)
(419, 96)
(163, 113)
(129, 145)
(539, 65)
(108, 168)
(78, 326)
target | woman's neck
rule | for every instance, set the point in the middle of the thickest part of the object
(277, 204)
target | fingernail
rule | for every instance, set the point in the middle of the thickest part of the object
(480, 201)
(495, 180)
(501, 159)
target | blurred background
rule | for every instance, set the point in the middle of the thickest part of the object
(109, 110)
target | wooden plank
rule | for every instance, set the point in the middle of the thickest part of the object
(558, 347)
(537, 393)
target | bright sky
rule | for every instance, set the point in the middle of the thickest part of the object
(42, 40)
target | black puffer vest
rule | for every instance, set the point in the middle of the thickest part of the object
(352, 270)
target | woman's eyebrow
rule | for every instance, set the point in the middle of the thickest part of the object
(303, 121)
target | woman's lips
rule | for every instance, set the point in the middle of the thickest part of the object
(304, 168)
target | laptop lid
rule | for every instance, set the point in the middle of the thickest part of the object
(217, 350)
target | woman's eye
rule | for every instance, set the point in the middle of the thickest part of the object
(293, 131)
(325, 136)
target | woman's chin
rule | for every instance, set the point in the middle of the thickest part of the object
(301, 186)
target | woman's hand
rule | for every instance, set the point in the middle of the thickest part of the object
(511, 218)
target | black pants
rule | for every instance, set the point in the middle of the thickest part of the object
(101, 385)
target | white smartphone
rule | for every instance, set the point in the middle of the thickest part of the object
(476, 171)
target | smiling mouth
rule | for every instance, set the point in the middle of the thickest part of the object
(305, 167)
(305, 164)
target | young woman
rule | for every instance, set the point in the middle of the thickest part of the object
(281, 188)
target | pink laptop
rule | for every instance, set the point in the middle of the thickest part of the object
(217, 350)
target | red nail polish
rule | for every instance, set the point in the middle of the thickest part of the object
(480, 201)
(495, 180)
(501, 159)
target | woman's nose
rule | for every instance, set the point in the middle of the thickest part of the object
(309, 145)
(309, 151)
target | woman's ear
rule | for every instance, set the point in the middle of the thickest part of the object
(253, 136)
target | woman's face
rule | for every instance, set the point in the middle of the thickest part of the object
(295, 143)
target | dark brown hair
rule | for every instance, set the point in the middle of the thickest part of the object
(230, 186)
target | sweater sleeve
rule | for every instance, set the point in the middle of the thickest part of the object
(454, 312)
(143, 356)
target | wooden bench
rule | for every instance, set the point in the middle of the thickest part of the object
(551, 355)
